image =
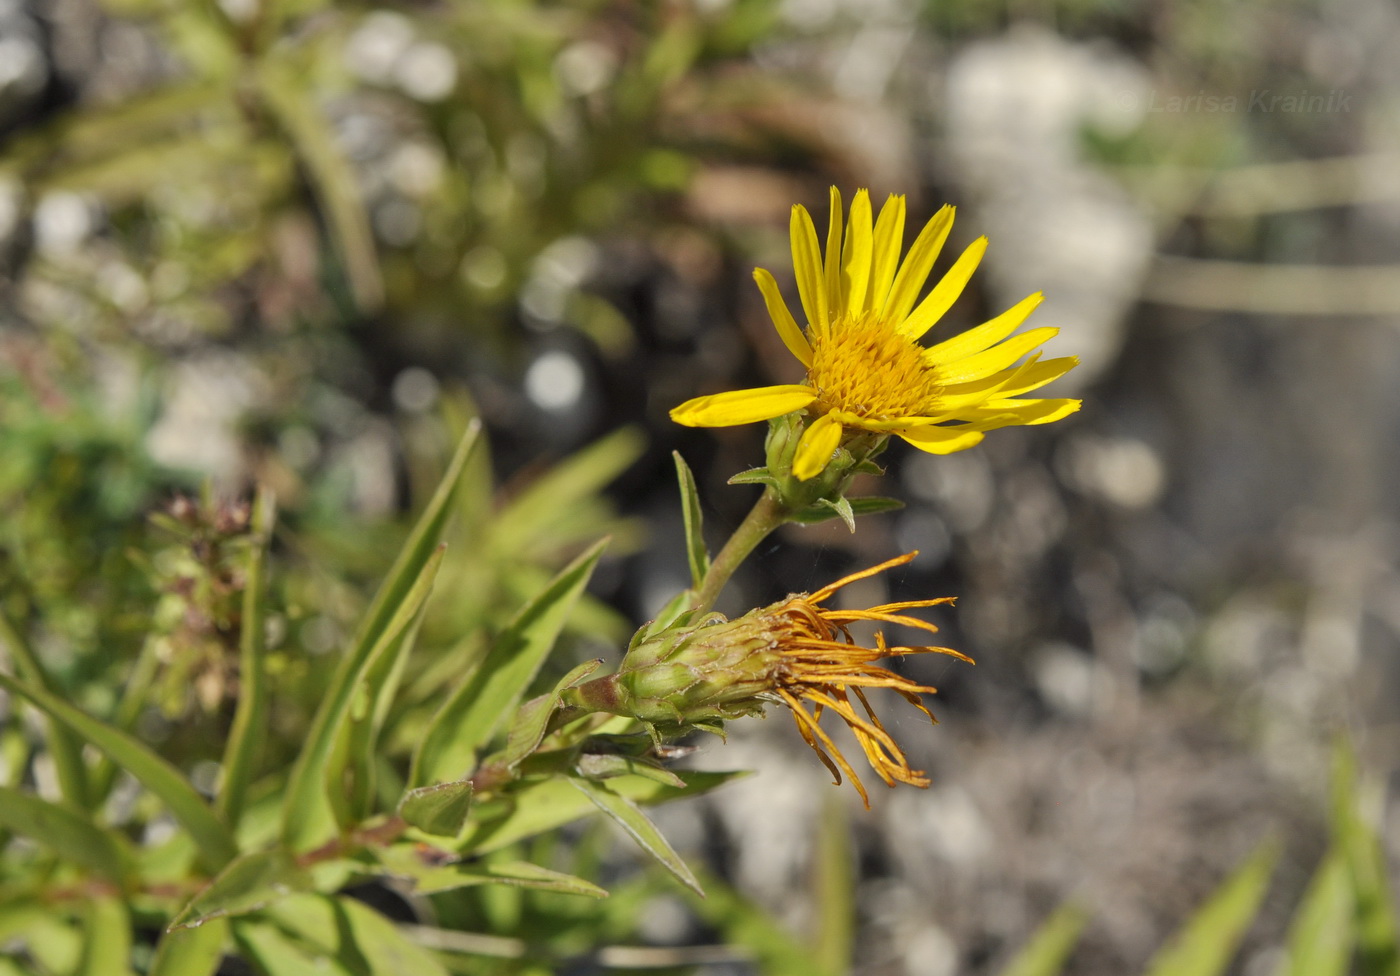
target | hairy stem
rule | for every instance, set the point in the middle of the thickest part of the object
(766, 515)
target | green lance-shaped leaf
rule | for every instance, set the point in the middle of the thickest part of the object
(1377, 951)
(1051, 944)
(252, 882)
(247, 731)
(490, 691)
(406, 861)
(1322, 936)
(440, 810)
(69, 833)
(626, 815)
(535, 808)
(284, 92)
(358, 749)
(64, 745)
(306, 810)
(275, 952)
(191, 952)
(695, 550)
(574, 480)
(847, 509)
(754, 476)
(358, 744)
(106, 939)
(531, 722)
(208, 830)
(597, 766)
(354, 936)
(1205, 945)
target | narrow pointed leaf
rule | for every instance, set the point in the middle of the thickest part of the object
(538, 807)
(1205, 945)
(1377, 952)
(208, 830)
(1322, 936)
(854, 507)
(469, 718)
(191, 952)
(247, 732)
(252, 882)
(754, 476)
(107, 939)
(64, 744)
(285, 92)
(598, 766)
(690, 510)
(354, 935)
(1051, 945)
(569, 482)
(625, 814)
(440, 810)
(403, 861)
(71, 834)
(307, 816)
(275, 952)
(532, 720)
(306, 813)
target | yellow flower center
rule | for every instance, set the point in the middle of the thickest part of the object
(864, 368)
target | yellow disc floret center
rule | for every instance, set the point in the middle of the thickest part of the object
(862, 367)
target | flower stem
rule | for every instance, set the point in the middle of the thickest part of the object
(766, 515)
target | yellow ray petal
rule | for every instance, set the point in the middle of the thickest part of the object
(1023, 412)
(743, 406)
(945, 293)
(889, 238)
(816, 447)
(832, 267)
(1018, 380)
(855, 261)
(942, 440)
(782, 319)
(807, 268)
(984, 336)
(996, 358)
(917, 264)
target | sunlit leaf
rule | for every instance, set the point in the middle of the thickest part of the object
(625, 814)
(68, 833)
(538, 807)
(1377, 951)
(249, 883)
(247, 731)
(306, 818)
(355, 935)
(1322, 936)
(156, 774)
(1051, 944)
(191, 952)
(474, 711)
(1205, 945)
(440, 809)
(406, 861)
(696, 552)
(106, 939)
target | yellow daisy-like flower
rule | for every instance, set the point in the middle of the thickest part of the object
(866, 369)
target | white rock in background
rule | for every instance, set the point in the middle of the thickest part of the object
(1015, 110)
(198, 430)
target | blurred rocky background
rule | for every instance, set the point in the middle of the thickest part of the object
(291, 242)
